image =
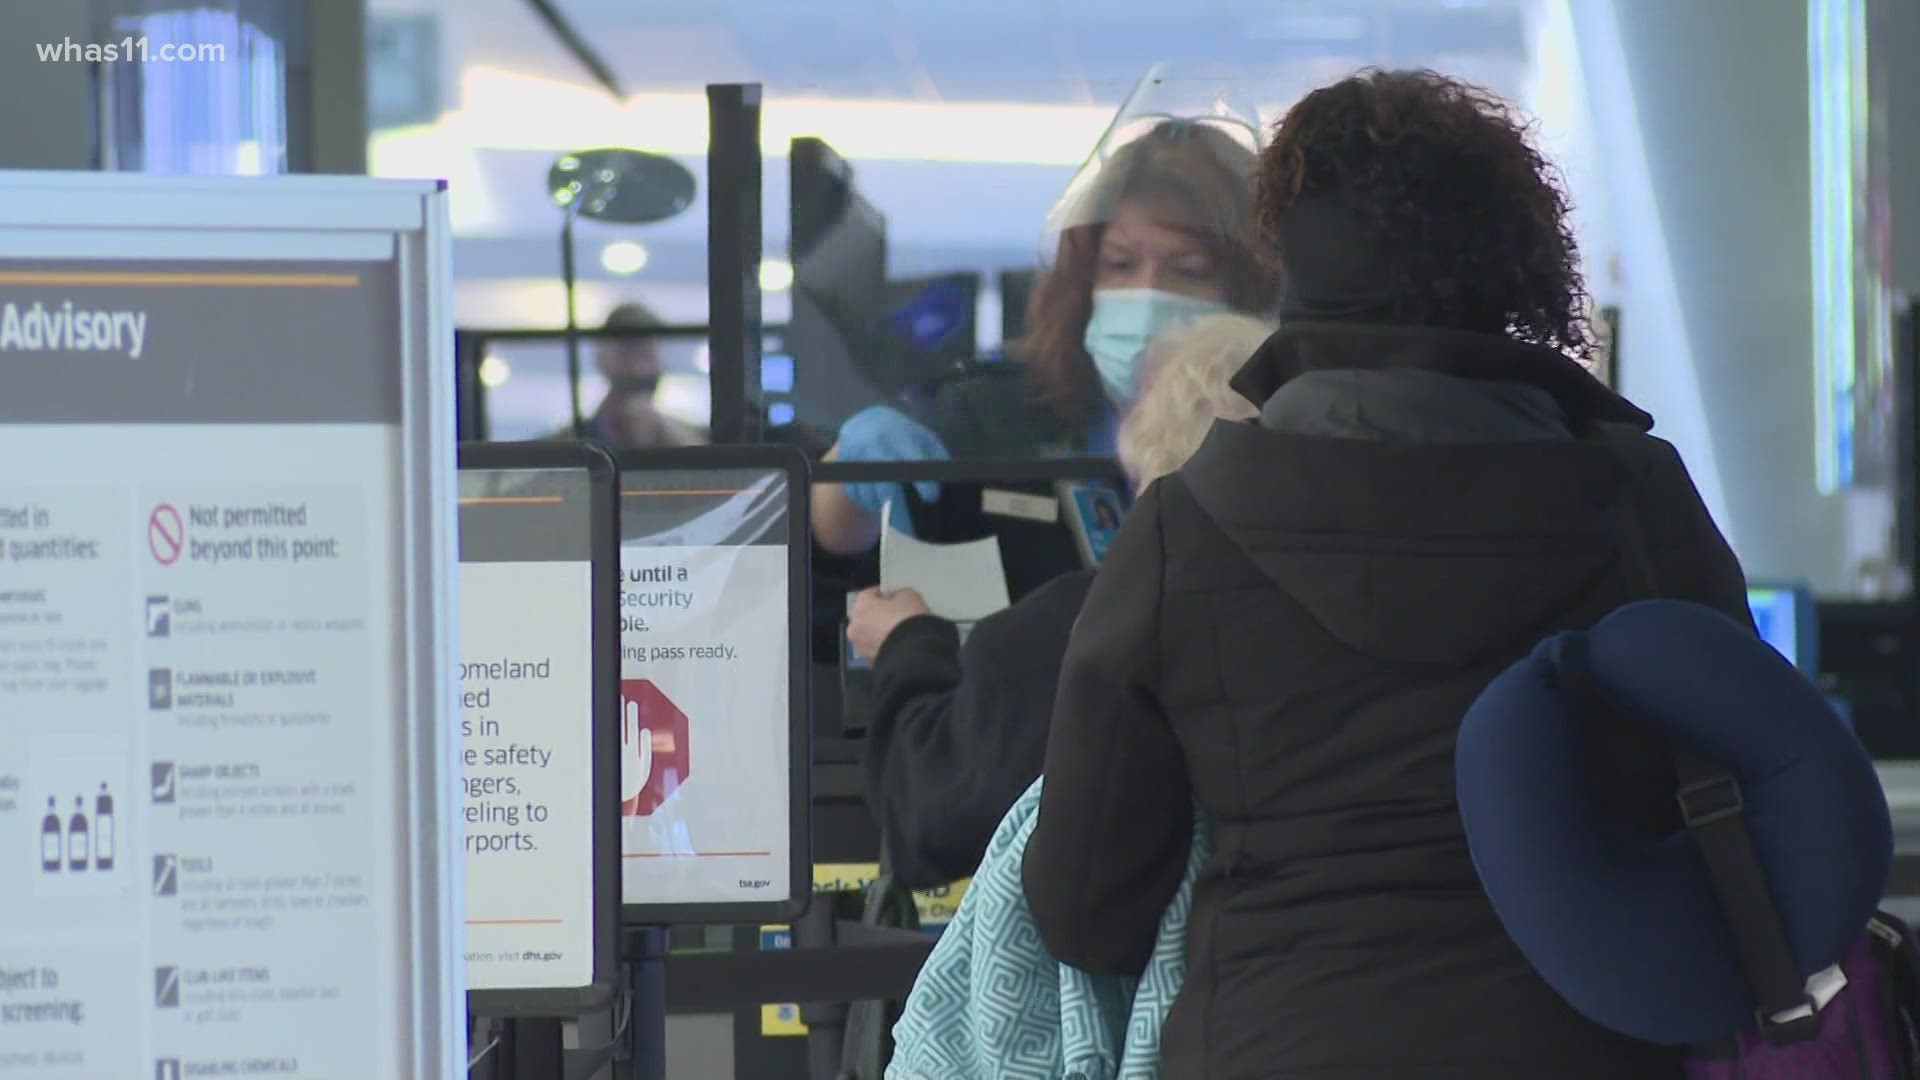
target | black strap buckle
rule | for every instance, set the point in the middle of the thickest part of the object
(1711, 800)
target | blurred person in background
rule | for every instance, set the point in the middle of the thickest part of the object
(959, 731)
(1289, 629)
(628, 418)
(1157, 230)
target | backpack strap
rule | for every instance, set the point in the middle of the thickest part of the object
(1711, 804)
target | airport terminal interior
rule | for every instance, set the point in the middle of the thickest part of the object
(959, 539)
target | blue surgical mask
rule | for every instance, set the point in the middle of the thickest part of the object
(1124, 322)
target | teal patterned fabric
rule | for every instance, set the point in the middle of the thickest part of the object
(992, 1004)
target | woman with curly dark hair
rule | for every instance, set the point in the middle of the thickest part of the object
(1288, 630)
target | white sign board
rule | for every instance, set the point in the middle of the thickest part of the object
(226, 554)
(538, 662)
(715, 737)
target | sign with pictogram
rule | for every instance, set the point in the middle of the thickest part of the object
(654, 759)
(166, 534)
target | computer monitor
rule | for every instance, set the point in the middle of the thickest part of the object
(929, 328)
(837, 243)
(538, 663)
(1787, 619)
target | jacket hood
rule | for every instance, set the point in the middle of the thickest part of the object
(1302, 347)
(1422, 494)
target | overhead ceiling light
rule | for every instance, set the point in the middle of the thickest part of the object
(506, 110)
(623, 257)
(494, 371)
(530, 302)
(776, 275)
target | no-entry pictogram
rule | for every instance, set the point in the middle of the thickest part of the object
(654, 758)
(166, 534)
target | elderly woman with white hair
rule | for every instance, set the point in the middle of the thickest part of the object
(960, 731)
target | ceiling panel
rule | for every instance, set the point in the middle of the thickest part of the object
(1439, 31)
(1021, 54)
(675, 58)
(1035, 51)
(841, 49)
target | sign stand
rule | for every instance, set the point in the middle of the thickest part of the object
(646, 950)
(233, 560)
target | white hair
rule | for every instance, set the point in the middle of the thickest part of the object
(1186, 391)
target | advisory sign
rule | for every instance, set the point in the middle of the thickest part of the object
(220, 605)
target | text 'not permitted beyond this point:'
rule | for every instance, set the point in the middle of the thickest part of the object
(215, 535)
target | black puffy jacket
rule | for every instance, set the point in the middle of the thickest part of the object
(1289, 631)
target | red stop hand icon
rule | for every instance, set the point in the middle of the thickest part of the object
(653, 748)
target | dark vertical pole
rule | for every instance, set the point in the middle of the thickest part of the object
(646, 948)
(827, 1021)
(568, 282)
(104, 152)
(469, 352)
(1906, 473)
(733, 261)
(532, 1050)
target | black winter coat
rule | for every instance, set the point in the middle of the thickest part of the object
(960, 732)
(1289, 631)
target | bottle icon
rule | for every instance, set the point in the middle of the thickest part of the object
(103, 830)
(77, 835)
(50, 844)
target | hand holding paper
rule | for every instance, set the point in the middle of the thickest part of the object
(873, 614)
(961, 583)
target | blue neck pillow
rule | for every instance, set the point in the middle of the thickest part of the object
(1630, 933)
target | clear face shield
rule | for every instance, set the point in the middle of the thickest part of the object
(1196, 122)
(1159, 220)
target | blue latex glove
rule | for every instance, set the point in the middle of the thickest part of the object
(884, 433)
